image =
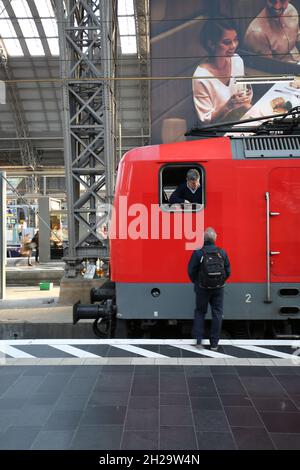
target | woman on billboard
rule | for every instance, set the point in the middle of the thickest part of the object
(216, 95)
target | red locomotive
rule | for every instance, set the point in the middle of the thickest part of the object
(250, 195)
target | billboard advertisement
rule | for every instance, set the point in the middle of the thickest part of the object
(202, 53)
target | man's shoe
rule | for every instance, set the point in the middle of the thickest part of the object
(214, 348)
(29, 264)
(199, 346)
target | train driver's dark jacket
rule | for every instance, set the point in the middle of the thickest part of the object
(183, 193)
(194, 263)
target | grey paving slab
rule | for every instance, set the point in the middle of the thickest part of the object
(175, 415)
(201, 386)
(174, 399)
(140, 440)
(196, 371)
(210, 420)
(97, 438)
(33, 415)
(145, 385)
(173, 384)
(71, 402)
(274, 404)
(236, 400)
(80, 386)
(142, 402)
(286, 441)
(18, 437)
(263, 387)
(291, 383)
(87, 371)
(42, 399)
(96, 415)
(253, 371)
(145, 419)
(7, 418)
(288, 422)
(229, 384)
(206, 403)
(23, 387)
(53, 383)
(248, 438)
(245, 416)
(177, 437)
(7, 380)
(62, 420)
(215, 441)
(108, 398)
(53, 440)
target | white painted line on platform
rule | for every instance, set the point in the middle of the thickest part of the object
(203, 352)
(14, 352)
(270, 352)
(173, 342)
(73, 351)
(142, 352)
(186, 361)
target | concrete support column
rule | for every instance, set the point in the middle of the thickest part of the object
(44, 229)
(2, 234)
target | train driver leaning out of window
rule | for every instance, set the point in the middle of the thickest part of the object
(189, 192)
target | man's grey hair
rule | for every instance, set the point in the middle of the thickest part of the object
(193, 174)
(210, 235)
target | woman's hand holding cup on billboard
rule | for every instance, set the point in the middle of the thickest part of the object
(242, 96)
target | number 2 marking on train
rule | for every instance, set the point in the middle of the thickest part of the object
(248, 298)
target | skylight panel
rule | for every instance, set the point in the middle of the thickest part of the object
(48, 20)
(125, 7)
(12, 46)
(127, 26)
(50, 27)
(44, 8)
(28, 28)
(128, 44)
(35, 46)
(53, 46)
(21, 8)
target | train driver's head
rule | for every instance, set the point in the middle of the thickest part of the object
(193, 179)
(210, 235)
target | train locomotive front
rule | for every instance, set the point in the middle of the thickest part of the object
(250, 195)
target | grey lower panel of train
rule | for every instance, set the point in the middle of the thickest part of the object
(177, 301)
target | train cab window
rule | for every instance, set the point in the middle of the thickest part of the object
(182, 188)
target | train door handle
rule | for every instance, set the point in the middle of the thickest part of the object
(274, 213)
(274, 253)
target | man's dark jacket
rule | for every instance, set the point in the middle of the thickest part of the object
(194, 264)
(183, 193)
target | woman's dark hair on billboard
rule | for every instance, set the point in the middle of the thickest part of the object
(213, 30)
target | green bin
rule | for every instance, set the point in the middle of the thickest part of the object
(46, 285)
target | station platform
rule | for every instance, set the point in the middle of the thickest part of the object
(141, 394)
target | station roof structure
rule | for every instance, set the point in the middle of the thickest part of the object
(30, 66)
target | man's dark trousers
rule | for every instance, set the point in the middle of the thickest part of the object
(204, 297)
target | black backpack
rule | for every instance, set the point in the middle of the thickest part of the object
(212, 271)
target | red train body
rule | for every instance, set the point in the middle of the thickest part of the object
(251, 196)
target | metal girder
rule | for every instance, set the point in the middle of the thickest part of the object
(87, 36)
(28, 154)
(143, 50)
